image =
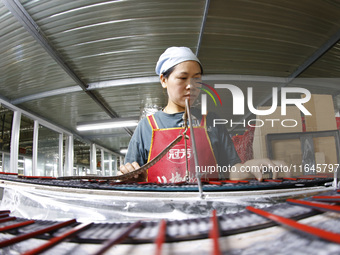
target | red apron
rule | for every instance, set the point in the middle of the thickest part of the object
(172, 167)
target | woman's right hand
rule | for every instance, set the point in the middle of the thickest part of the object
(130, 167)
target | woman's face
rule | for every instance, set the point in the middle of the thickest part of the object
(180, 85)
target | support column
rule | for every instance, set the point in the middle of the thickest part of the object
(68, 170)
(61, 155)
(15, 142)
(116, 166)
(35, 148)
(102, 165)
(93, 159)
(110, 164)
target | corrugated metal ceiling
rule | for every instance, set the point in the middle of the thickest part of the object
(108, 41)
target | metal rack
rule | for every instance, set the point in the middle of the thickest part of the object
(159, 232)
(307, 148)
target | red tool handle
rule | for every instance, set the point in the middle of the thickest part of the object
(36, 233)
(160, 237)
(326, 235)
(4, 215)
(108, 244)
(7, 219)
(335, 199)
(17, 225)
(214, 234)
(54, 241)
(315, 205)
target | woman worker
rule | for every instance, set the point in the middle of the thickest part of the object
(176, 68)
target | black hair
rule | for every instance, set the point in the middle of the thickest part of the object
(167, 73)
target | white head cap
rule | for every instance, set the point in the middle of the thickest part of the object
(173, 56)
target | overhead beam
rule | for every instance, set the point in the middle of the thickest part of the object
(209, 78)
(52, 126)
(316, 55)
(303, 67)
(98, 136)
(204, 20)
(49, 93)
(19, 12)
(91, 86)
(140, 81)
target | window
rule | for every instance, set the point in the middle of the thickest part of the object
(48, 152)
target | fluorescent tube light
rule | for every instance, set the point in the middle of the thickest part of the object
(106, 124)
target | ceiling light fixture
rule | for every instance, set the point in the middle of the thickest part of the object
(106, 124)
(123, 150)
